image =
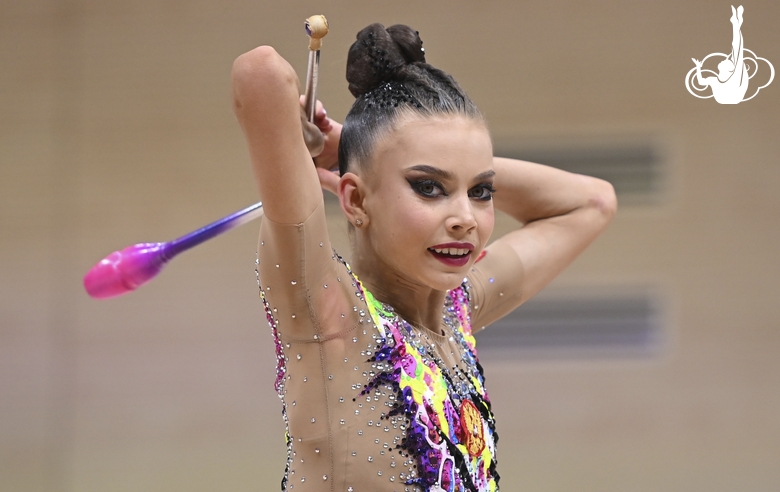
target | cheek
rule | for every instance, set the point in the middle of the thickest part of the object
(400, 224)
(412, 222)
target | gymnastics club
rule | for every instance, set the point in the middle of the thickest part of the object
(126, 270)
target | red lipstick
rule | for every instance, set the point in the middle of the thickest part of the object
(452, 254)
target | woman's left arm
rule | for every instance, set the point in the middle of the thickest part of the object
(561, 212)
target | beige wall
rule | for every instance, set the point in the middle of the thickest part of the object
(116, 128)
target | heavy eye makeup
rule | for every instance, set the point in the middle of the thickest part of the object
(482, 192)
(431, 188)
(427, 187)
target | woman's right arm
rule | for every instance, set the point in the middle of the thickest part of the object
(300, 279)
(266, 103)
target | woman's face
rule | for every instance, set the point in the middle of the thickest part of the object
(428, 200)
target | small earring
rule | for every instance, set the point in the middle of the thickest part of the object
(358, 222)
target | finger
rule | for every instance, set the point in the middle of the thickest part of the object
(328, 180)
(312, 136)
(325, 126)
(319, 110)
(321, 117)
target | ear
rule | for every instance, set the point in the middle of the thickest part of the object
(351, 192)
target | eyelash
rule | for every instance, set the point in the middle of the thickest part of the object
(485, 187)
(419, 184)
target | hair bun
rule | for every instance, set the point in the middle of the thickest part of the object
(380, 54)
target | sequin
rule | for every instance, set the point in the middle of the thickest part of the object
(431, 404)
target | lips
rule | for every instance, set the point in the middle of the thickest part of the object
(451, 251)
(452, 254)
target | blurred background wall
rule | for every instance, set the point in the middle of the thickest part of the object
(116, 128)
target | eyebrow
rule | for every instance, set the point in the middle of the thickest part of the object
(484, 176)
(424, 168)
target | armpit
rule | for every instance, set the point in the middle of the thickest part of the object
(297, 273)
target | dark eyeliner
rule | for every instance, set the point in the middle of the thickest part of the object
(418, 184)
(485, 186)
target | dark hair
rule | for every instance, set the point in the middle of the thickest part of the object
(387, 74)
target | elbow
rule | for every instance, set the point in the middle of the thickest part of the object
(262, 64)
(603, 199)
(261, 72)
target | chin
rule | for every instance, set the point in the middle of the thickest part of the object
(450, 280)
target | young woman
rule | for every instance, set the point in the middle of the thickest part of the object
(377, 367)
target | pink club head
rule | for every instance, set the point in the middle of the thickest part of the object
(126, 270)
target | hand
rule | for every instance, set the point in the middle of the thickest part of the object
(312, 135)
(328, 156)
(697, 62)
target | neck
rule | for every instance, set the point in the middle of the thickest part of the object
(418, 304)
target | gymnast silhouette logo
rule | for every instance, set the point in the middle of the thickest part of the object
(730, 84)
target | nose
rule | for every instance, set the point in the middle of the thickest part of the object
(461, 218)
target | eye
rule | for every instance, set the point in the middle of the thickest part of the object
(482, 192)
(427, 188)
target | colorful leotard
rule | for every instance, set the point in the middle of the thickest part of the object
(372, 403)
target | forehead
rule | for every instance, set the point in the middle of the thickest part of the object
(457, 144)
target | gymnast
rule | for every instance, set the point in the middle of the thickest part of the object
(377, 368)
(731, 84)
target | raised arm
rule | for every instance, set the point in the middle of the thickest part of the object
(701, 80)
(266, 103)
(562, 214)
